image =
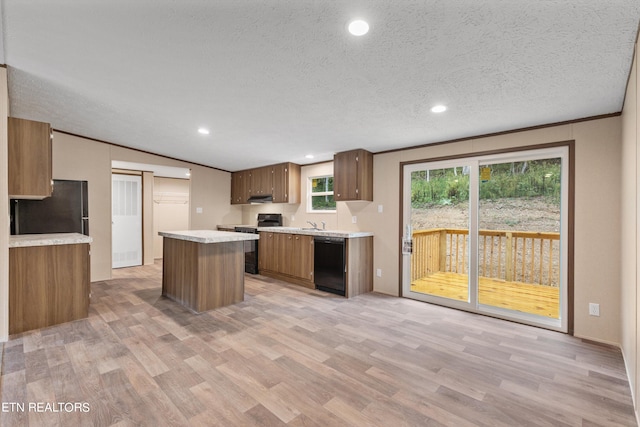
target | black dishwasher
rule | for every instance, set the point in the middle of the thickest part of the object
(329, 264)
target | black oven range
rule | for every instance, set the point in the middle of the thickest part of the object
(251, 246)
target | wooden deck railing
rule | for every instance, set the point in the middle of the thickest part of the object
(514, 256)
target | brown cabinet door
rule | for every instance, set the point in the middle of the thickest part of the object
(345, 175)
(304, 251)
(29, 153)
(280, 183)
(241, 187)
(236, 185)
(286, 263)
(353, 175)
(268, 252)
(261, 181)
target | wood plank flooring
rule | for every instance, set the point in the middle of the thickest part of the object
(288, 355)
(524, 297)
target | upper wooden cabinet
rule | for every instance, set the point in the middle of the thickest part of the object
(240, 183)
(282, 181)
(286, 183)
(29, 159)
(353, 175)
(261, 181)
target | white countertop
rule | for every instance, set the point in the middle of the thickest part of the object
(308, 232)
(23, 240)
(209, 236)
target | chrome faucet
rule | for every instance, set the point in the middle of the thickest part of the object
(313, 224)
(324, 225)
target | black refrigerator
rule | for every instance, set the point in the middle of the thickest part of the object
(66, 211)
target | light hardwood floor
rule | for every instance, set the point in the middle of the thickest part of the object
(288, 355)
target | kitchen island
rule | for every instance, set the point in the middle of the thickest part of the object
(204, 269)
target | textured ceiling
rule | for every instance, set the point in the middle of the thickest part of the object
(276, 80)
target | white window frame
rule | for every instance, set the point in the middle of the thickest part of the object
(310, 194)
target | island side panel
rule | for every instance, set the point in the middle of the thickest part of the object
(203, 276)
(221, 275)
(180, 271)
(48, 285)
(70, 291)
(359, 266)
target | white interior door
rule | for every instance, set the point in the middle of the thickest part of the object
(126, 218)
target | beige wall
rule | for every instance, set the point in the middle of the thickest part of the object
(597, 213)
(4, 208)
(83, 159)
(170, 209)
(630, 234)
(596, 226)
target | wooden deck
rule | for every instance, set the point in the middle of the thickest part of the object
(535, 299)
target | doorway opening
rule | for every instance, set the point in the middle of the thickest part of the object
(134, 242)
(170, 208)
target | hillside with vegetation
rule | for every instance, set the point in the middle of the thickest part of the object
(513, 196)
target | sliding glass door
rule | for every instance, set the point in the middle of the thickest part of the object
(486, 235)
(439, 227)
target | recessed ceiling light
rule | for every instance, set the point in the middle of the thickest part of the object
(358, 27)
(203, 131)
(438, 109)
(309, 156)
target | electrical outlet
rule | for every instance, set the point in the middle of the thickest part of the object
(354, 219)
(594, 309)
(198, 210)
(379, 272)
(379, 208)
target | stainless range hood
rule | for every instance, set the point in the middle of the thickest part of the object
(263, 198)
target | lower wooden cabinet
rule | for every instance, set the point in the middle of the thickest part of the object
(287, 256)
(267, 252)
(48, 285)
(303, 247)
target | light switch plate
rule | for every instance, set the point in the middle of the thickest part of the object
(379, 208)
(354, 219)
(198, 210)
(594, 309)
(379, 272)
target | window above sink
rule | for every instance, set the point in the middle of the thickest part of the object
(320, 195)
